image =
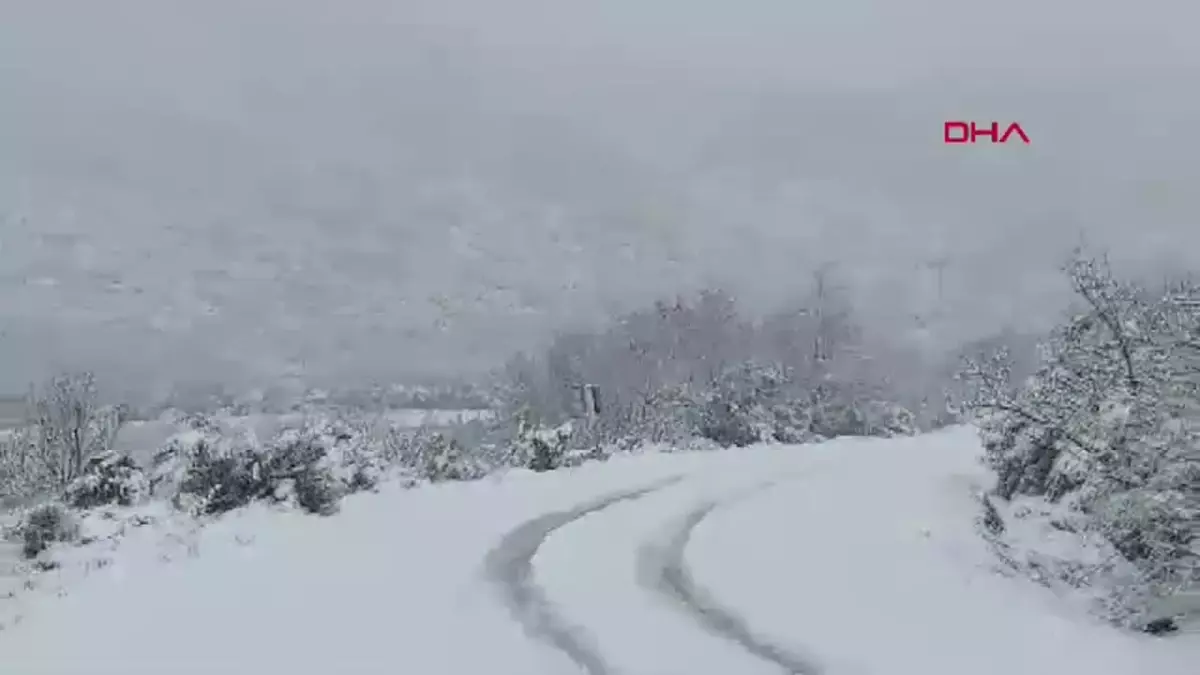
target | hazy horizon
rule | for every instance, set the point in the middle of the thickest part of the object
(369, 190)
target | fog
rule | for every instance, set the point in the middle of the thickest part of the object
(365, 189)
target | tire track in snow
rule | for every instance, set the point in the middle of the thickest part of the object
(663, 570)
(510, 567)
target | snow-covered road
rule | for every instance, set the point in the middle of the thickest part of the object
(854, 557)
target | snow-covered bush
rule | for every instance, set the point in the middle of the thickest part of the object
(26, 469)
(400, 448)
(695, 367)
(890, 419)
(662, 416)
(753, 403)
(736, 410)
(441, 458)
(107, 478)
(291, 466)
(199, 444)
(65, 426)
(1110, 423)
(1056, 545)
(355, 453)
(546, 456)
(47, 524)
(170, 463)
(302, 458)
(221, 482)
(70, 424)
(540, 449)
(317, 491)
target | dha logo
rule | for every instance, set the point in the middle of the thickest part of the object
(969, 132)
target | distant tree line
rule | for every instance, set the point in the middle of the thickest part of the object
(698, 367)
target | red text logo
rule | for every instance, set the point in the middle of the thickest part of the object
(968, 132)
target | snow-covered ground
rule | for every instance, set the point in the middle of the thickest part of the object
(854, 556)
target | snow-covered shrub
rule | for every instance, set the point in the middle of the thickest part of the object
(317, 491)
(835, 418)
(1110, 423)
(661, 416)
(65, 427)
(890, 419)
(26, 468)
(665, 415)
(400, 447)
(422, 454)
(290, 466)
(200, 443)
(540, 449)
(355, 450)
(793, 421)
(694, 367)
(303, 459)
(545, 456)
(840, 409)
(45, 525)
(442, 458)
(70, 424)
(754, 403)
(169, 465)
(221, 482)
(1057, 545)
(736, 409)
(107, 478)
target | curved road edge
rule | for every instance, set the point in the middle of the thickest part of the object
(509, 566)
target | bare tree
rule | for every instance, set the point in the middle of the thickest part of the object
(71, 426)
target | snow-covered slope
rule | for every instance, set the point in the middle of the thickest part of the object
(853, 556)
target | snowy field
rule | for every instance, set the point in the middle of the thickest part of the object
(853, 557)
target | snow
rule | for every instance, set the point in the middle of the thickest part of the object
(877, 568)
(852, 556)
(142, 438)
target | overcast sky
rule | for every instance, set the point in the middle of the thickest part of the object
(369, 189)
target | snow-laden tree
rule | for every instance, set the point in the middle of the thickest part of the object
(1111, 421)
(71, 424)
(65, 426)
(696, 367)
